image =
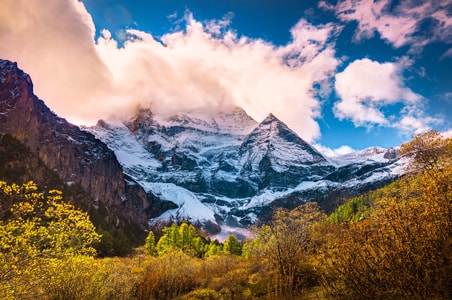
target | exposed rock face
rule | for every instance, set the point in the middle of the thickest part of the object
(227, 169)
(75, 155)
(211, 169)
(18, 164)
(274, 156)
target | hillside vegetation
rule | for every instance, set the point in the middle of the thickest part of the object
(390, 243)
(18, 164)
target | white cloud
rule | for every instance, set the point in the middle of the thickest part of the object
(368, 91)
(329, 152)
(410, 124)
(447, 134)
(400, 24)
(216, 27)
(53, 42)
(173, 15)
(365, 86)
(446, 97)
(413, 119)
(206, 65)
(325, 5)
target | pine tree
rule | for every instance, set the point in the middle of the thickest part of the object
(232, 245)
(150, 244)
(183, 237)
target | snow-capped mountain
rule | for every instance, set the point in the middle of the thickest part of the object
(275, 156)
(218, 169)
(225, 169)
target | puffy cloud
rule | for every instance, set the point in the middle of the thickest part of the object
(447, 134)
(409, 22)
(53, 41)
(209, 66)
(216, 27)
(329, 152)
(205, 65)
(325, 5)
(367, 88)
(413, 119)
(410, 124)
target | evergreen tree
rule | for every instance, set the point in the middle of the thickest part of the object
(232, 245)
(213, 248)
(150, 244)
(183, 237)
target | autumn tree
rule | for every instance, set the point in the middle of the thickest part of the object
(430, 151)
(402, 249)
(285, 245)
(39, 230)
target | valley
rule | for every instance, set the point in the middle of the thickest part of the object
(212, 206)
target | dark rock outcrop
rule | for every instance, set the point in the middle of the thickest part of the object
(75, 155)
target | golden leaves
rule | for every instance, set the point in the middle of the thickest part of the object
(40, 231)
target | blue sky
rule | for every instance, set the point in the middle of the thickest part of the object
(340, 73)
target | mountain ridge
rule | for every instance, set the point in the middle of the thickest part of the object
(220, 169)
(239, 178)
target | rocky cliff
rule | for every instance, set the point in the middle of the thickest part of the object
(75, 155)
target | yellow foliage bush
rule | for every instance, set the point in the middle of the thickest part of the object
(403, 248)
(37, 232)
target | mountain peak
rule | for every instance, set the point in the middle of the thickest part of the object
(275, 140)
(231, 120)
(272, 127)
(270, 118)
(142, 120)
(275, 127)
(11, 75)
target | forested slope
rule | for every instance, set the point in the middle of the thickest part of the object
(391, 243)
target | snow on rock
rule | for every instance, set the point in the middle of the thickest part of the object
(371, 154)
(268, 196)
(232, 121)
(284, 147)
(189, 206)
(224, 168)
(130, 153)
(265, 198)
